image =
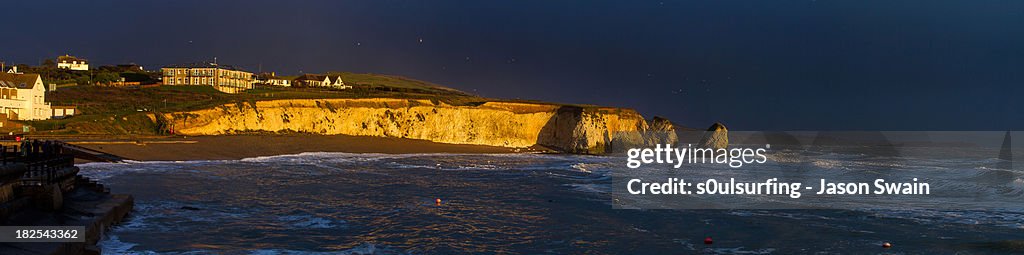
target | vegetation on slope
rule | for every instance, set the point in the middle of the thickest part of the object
(391, 82)
(104, 74)
(130, 110)
(125, 111)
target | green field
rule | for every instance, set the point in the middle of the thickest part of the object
(124, 111)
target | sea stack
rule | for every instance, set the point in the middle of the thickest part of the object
(663, 131)
(717, 137)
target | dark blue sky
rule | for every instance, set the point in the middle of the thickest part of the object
(755, 65)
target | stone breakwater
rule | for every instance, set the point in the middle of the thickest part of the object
(574, 129)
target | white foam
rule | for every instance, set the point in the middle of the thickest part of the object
(364, 249)
(582, 167)
(308, 222)
(737, 250)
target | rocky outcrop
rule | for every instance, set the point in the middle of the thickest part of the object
(663, 131)
(574, 129)
(717, 137)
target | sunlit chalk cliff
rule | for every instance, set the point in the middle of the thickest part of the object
(506, 124)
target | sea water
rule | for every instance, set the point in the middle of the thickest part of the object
(342, 203)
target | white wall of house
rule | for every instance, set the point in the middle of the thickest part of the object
(281, 82)
(28, 104)
(340, 84)
(74, 65)
(276, 82)
(63, 112)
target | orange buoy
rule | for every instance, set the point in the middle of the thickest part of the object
(708, 240)
(438, 201)
(886, 245)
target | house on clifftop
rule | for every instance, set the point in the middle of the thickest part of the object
(337, 83)
(322, 81)
(310, 80)
(12, 70)
(22, 97)
(273, 80)
(72, 63)
(224, 78)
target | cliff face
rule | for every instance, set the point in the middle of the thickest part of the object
(505, 124)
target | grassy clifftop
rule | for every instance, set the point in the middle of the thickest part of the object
(131, 111)
(110, 110)
(392, 82)
(105, 100)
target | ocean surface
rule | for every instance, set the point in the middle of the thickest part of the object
(341, 203)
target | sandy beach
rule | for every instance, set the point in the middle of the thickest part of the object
(247, 146)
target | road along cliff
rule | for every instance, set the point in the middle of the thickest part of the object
(572, 129)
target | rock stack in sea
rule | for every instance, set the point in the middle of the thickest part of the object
(717, 137)
(663, 131)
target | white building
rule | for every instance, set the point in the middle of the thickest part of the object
(273, 80)
(336, 82)
(278, 81)
(309, 80)
(315, 80)
(22, 97)
(60, 112)
(73, 63)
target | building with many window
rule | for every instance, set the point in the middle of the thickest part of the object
(22, 97)
(224, 78)
(72, 63)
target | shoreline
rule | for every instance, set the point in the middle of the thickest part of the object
(232, 147)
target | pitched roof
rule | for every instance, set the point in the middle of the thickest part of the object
(206, 65)
(268, 76)
(69, 58)
(310, 77)
(20, 81)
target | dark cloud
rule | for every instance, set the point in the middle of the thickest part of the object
(755, 65)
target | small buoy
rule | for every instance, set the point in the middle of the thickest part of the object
(708, 240)
(438, 201)
(886, 245)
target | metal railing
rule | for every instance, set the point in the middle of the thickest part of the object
(47, 171)
(45, 161)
